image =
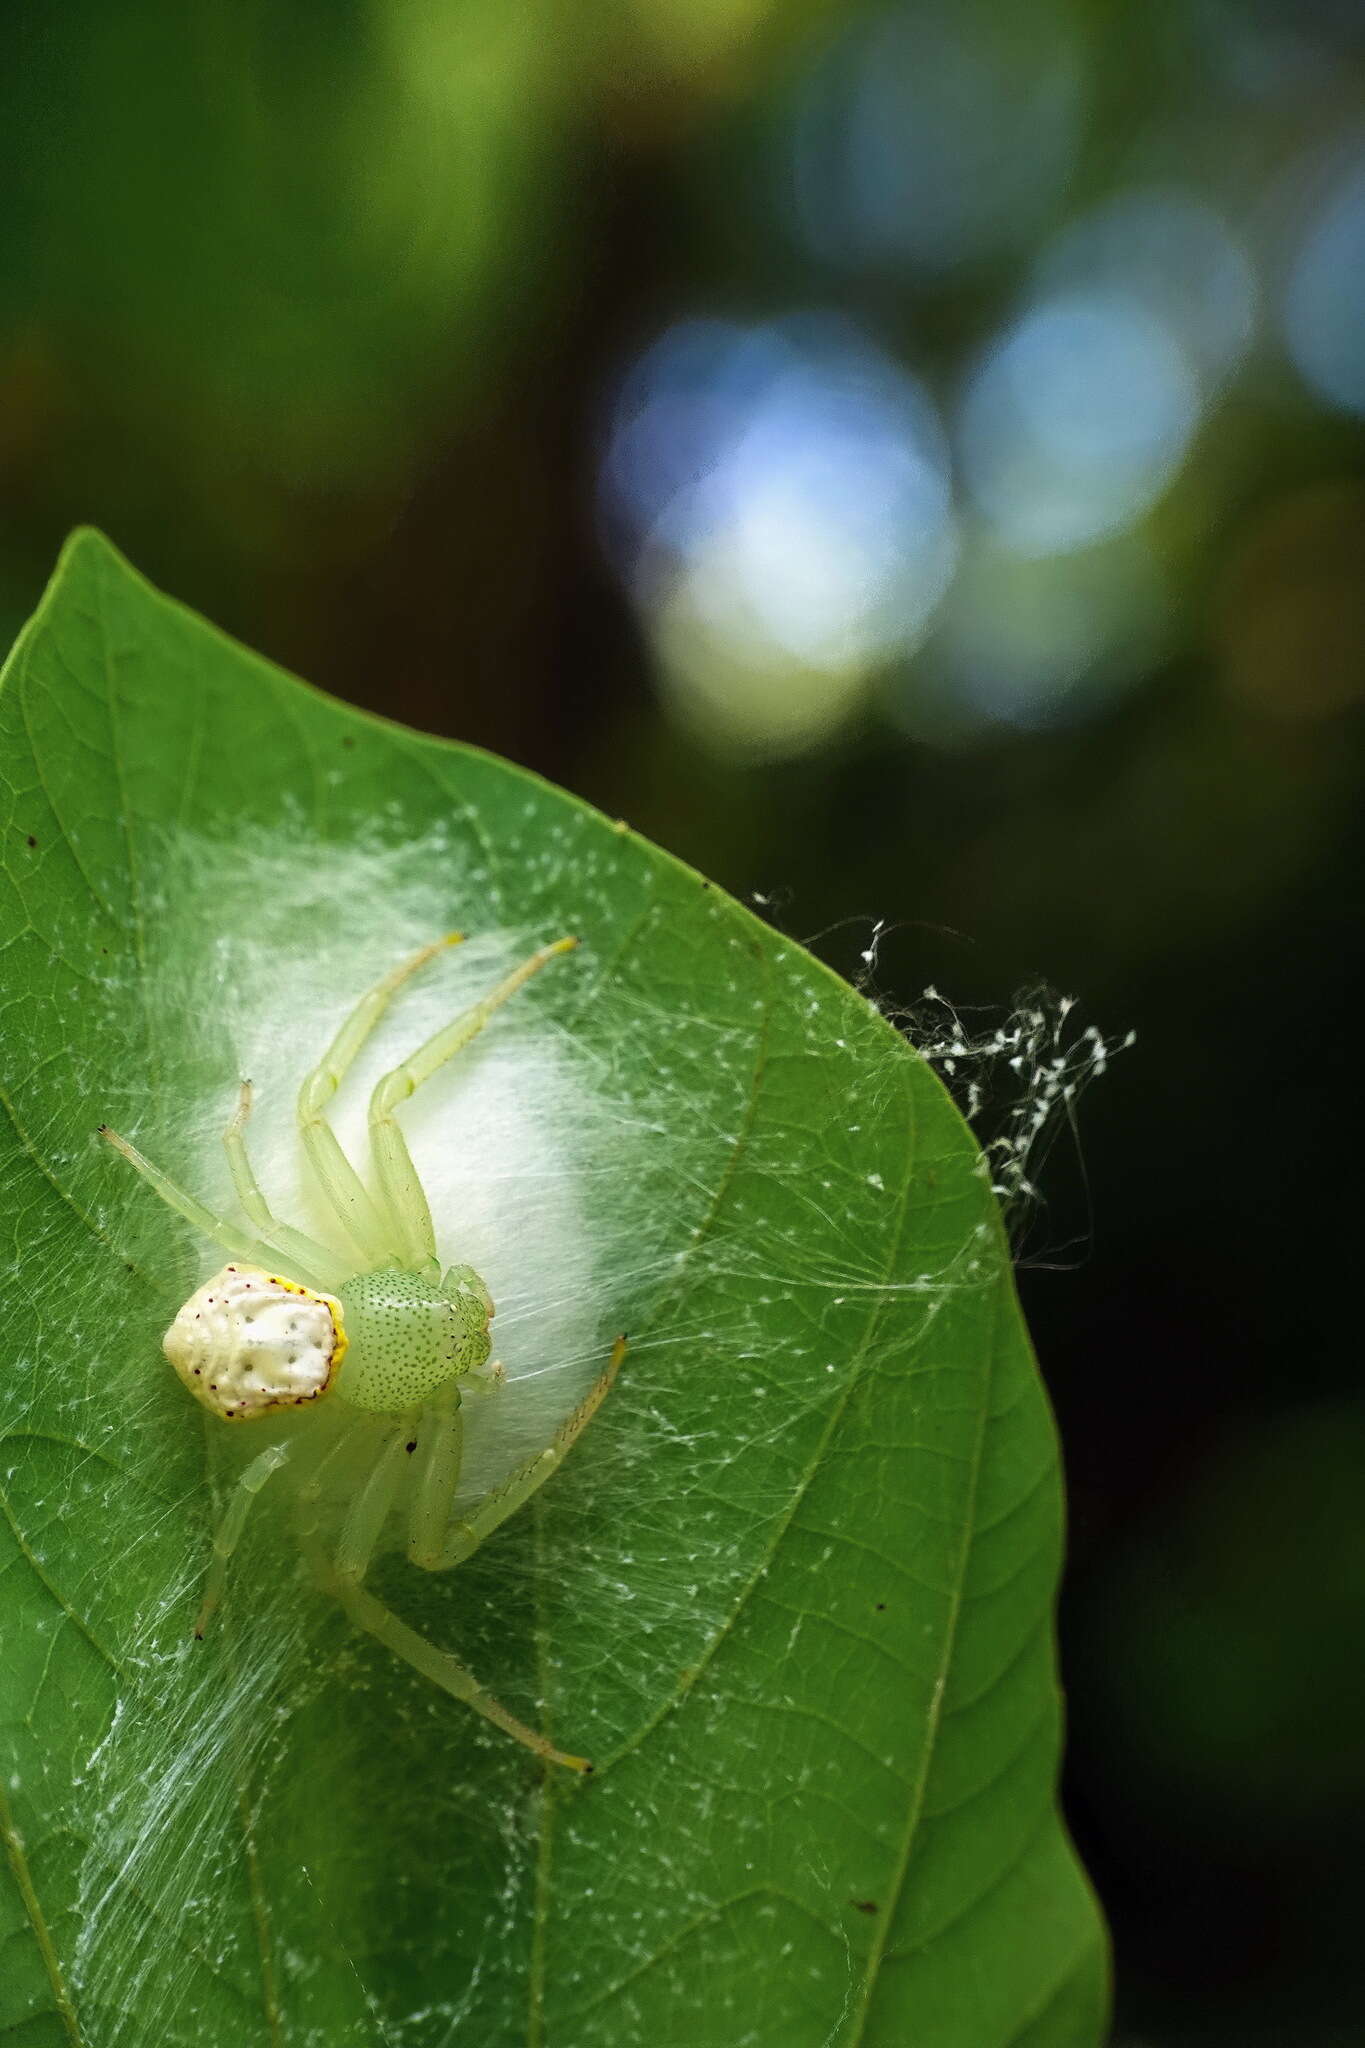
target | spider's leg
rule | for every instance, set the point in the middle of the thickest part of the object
(440, 1448)
(370, 1509)
(443, 1669)
(342, 1578)
(347, 1194)
(316, 1484)
(294, 1244)
(466, 1536)
(230, 1529)
(253, 1251)
(401, 1189)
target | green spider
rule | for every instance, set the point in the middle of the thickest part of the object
(386, 1334)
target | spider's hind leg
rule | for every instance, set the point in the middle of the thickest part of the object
(229, 1533)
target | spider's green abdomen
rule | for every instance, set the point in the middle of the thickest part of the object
(410, 1335)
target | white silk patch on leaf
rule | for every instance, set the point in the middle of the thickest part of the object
(270, 949)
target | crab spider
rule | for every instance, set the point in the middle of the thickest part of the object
(380, 1330)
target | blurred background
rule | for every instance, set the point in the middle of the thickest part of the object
(910, 461)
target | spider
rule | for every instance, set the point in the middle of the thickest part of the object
(383, 1333)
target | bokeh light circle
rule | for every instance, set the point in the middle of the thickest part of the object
(1030, 644)
(934, 137)
(1076, 421)
(1173, 252)
(777, 498)
(1324, 306)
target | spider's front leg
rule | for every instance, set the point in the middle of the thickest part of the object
(346, 1193)
(462, 1539)
(372, 1506)
(440, 1453)
(304, 1254)
(437, 1432)
(444, 1670)
(440, 1449)
(403, 1196)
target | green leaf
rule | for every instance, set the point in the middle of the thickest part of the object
(792, 1591)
